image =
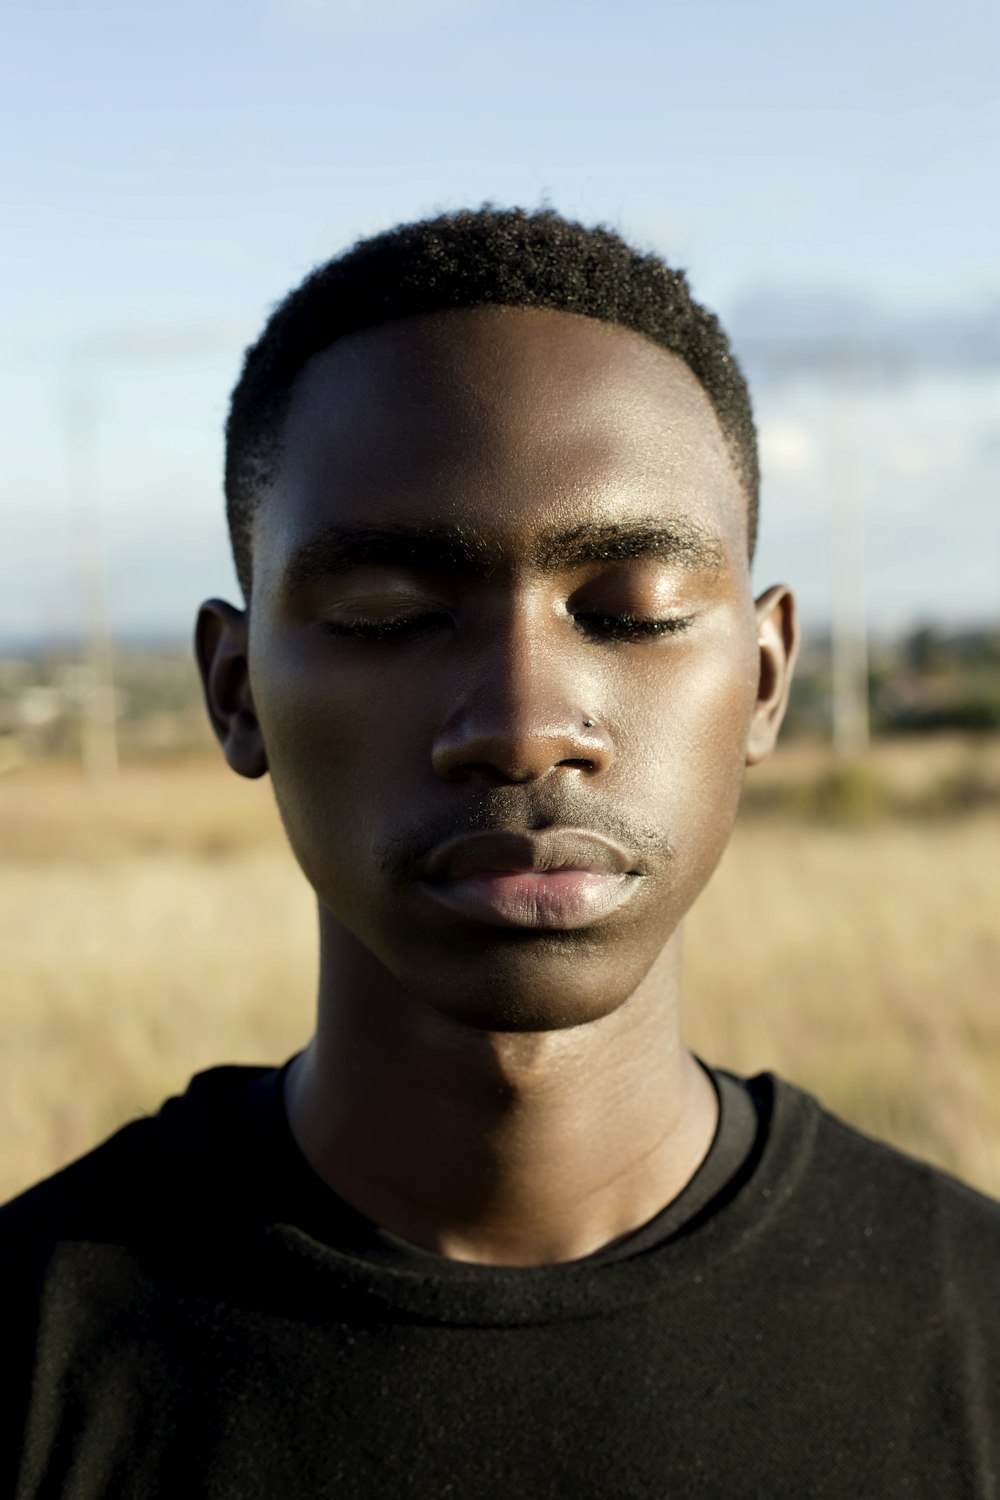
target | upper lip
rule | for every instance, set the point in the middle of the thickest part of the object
(519, 851)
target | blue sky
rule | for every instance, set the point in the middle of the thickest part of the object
(168, 172)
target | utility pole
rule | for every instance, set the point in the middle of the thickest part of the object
(99, 719)
(850, 633)
(98, 714)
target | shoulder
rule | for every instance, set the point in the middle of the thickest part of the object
(96, 1187)
(885, 1195)
(140, 1176)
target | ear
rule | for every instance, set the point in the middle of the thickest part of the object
(778, 639)
(220, 644)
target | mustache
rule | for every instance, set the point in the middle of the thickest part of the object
(522, 810)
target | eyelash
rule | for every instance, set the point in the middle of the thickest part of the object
(617, 627)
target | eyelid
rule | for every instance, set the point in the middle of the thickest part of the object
(371, 607)
(621, 627)
(387, 627)
(635, 627)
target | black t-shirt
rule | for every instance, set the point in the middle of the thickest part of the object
(189, 1312)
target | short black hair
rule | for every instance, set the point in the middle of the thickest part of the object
(473, 258)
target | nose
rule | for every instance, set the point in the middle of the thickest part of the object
(524, 709)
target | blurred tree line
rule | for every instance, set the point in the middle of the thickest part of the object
(929, 679)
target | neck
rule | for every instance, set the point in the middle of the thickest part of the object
(503, 1148)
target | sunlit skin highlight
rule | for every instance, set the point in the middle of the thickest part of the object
(547, 624)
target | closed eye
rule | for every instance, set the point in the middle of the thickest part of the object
(409, 627)
(404, 627)
(630, 627)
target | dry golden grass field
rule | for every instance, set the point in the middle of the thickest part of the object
(850, 940)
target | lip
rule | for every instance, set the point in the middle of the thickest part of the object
(561, 878)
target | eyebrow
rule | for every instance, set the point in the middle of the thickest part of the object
(451, 549)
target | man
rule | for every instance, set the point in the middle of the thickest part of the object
(495, 1232)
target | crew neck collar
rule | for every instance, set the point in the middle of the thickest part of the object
(330, 1260)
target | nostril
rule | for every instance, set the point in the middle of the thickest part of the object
(581, 764)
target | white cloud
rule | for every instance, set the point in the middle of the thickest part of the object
(786, 448)
(907, 458)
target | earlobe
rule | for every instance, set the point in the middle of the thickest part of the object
(220, 644)
(778, 643)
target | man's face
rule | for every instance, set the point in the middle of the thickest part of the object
(489, 528)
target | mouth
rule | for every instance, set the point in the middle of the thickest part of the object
(555, 879)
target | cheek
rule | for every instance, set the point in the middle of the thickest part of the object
(687, 744)
(334, 746)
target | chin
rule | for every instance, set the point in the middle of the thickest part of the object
(548, 986)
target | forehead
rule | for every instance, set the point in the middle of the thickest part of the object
(510, 423)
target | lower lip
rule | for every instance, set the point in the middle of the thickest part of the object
(555, 899)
